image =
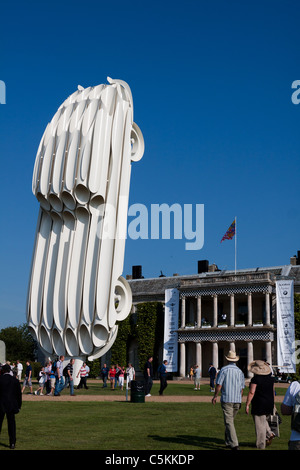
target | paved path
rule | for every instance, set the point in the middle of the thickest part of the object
(154, 398)
(120, 398)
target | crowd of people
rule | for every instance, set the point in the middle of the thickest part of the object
(55, 376)
(52, 378)
(196, 374)
(116, 375)
(229, 382)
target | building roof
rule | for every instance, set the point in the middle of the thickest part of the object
(157, 286)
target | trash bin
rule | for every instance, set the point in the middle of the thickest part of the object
(137, 389)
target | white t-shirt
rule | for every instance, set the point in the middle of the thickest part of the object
(289, 400)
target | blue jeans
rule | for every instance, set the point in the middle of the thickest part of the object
(104, 380)
(59, 386)
(71, 383)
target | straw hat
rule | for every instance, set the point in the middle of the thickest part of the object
(259, 368)
(231, 356)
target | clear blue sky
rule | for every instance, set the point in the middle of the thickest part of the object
(211, 83)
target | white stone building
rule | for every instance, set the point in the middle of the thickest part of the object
(222, 310)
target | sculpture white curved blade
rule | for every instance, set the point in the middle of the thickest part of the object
(81, 179)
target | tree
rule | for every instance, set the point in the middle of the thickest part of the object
(18, 342)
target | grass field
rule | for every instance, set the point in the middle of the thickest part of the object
(122, 425)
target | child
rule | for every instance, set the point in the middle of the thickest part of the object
(42, 380)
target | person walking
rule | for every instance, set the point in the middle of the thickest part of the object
(261, 396)
(104, 374)
(50, 380)
(68, 374)
(117, 375)
(10, 402)
(197, 377)
(112, 376)
(148, 376)
(121, 377)
(28, 376)
(231, 383)
(212, 372)
(83, 374)
(130, 371)
(19, 370)
(291, 407)
(162, 371)
(42, 380)
(60, 382)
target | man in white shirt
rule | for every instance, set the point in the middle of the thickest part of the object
(197, 377)
(291, 398)
(60, 381)
(19, 370)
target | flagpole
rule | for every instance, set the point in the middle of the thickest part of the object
(235, 246)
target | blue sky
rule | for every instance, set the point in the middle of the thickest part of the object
(211, 83)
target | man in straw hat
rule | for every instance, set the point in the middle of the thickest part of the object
(231, 382)
(261, 396)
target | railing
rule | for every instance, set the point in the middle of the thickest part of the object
(242, 278)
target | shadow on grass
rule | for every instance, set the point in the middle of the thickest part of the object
(202, 442)
(4, 445)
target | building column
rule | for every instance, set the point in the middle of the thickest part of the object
(215, 321)
(182, 360)
(250, 355)
(215, 355)
(199, 356)
(199, 311)
(232, 319)
(268, 311)
(183, 311)
(250, 309)
(232, 346)
(269, 352)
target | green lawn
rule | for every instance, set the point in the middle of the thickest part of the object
(122, 425)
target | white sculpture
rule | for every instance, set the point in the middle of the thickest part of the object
(81, 179)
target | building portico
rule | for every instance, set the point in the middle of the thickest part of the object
(221, 311)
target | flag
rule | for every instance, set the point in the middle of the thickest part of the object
(230, 232)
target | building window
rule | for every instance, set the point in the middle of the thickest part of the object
(242, 312)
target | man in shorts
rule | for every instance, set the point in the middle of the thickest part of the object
(27, 379)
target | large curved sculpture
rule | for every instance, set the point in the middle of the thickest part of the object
(81, 179)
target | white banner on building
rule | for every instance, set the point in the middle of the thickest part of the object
(285, 326)
(171, 324)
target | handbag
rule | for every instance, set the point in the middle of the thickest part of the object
(274, 421)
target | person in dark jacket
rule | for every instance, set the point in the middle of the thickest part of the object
(162, 371)
(10, 402)
(148, 376)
